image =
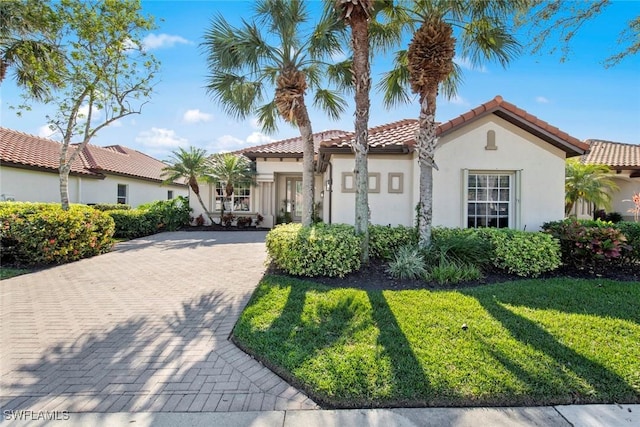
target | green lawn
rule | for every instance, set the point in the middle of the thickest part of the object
(534, 342)
(6, 273)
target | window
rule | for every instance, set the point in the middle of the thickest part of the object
(122, 194)
(489, 200)
(169, 194)
(240, 200)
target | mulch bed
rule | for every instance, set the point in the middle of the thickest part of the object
(373, 277)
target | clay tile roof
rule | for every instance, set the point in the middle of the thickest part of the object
(28, 150)
(22, 149)
(397, 134)
(613, 154)
(292, 146)
(520, 118)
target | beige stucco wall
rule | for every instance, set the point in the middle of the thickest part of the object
(540, 167)
(37, 186)
(387, 208)
(628, 186)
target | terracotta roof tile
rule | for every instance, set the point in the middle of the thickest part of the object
(291, 146)
(613, 154)
(29, 150)
(401, 133)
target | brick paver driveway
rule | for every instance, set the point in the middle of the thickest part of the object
(143, 328)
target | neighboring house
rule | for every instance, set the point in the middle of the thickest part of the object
(114, 174)
(498, 166)
(624, 162)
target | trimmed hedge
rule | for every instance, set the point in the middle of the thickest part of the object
(111, 207)
(631, 231)
(319, 250)
(134, 223)
(42, 233)
(151, 218)
(386, 241)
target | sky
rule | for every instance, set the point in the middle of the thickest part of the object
(579, 96)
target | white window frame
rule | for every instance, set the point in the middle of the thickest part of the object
(240, 199)
(512, 203)
(122, 199)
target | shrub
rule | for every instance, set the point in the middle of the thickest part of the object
(588, 242)
(319, 250)
(631, 231)
(227, 219)
(408, 263)
(244, 221)
(525, 253)
(43, 233)
(385, 241)
(134, 223)
(171, 214)
(447, 271)
(111, 207)
(465, 246)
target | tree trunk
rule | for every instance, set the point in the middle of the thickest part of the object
(362, 83)
(193, 183)
(304, 124)
(426, 146)
(64, 187)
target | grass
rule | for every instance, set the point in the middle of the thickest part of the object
(6, 272)
(533, 342)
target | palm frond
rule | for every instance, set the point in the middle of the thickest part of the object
(394, 84)
(331, 102)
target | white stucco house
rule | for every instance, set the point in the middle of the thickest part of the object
(499, 166)
(113, 174)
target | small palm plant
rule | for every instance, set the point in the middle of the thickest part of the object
(589, 182)
(231, 170)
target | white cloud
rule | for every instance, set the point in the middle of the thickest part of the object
(196, 116)
(466, 63)
(157, 41)
(457, 100)
(541, 100)
(255, 123)
(257, 138)
(45, 131)
(160, 137)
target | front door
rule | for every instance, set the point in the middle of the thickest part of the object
(294, 198)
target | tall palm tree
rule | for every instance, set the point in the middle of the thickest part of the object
(23, 49)
(232, 170)
(273, 52)
(589, 182)
(479, 29)
(192, 165)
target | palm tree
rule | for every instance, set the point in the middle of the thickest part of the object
(272, 52)
(232, 170)
(589, 182)
(192, 165)
(429, 63)
(22, 48)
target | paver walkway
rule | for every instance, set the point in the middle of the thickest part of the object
(143, 328)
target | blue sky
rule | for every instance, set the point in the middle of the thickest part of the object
(580, 95)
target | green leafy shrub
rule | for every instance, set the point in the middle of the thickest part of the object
(134, 223)
(111, 207)
(463, 245)
(385, 241)
(43, 233)
(319, 250)
(588, 242)
(408, 263)
(171, 214)
(631, 231)
(447, 271)
(524, 253)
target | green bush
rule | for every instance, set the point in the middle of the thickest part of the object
(171, 214)
(447, 271)
(408, 263)
(631, 231)
(43, 233)
(111, 207)
(385, 241)
(463, 245)
(589, 242)
(319, 250)
(134, 223)
(525, 253)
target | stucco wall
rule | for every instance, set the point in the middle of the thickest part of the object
(628, 186)
(387, 208)
(36, 186)
(540, 166)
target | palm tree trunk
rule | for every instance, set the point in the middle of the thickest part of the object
(196, 190)
(308, 153)
(426, 146)
(362, 81)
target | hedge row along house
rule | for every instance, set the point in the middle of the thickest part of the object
(113, 174)
(499, 166)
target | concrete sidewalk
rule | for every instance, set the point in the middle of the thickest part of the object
(547, 416)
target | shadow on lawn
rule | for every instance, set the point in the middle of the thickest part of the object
(607, 385)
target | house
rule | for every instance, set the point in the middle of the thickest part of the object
(113, 174)
(624, 162)
(498, 166)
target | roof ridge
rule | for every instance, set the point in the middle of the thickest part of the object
(593, 140)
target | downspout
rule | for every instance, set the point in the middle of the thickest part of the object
(330, 188)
